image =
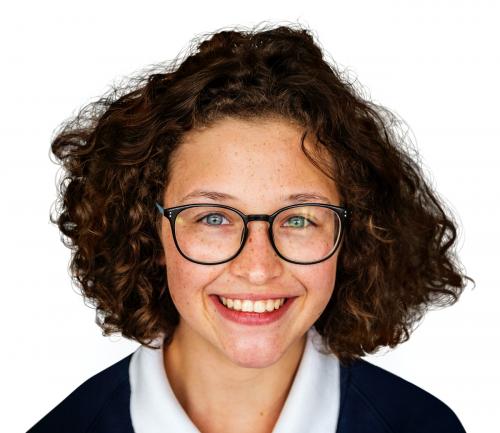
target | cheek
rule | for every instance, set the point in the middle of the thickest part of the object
(182, 280)
(319, 280)
(177, 270)
(186, 280)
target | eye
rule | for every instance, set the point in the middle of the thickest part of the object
(213, 219)
(298, 221)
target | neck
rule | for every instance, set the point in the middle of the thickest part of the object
(219, 395)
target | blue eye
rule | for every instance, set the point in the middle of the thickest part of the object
(298, 220)
(214, 218)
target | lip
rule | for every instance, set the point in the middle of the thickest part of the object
(252, 296)
(246, 318)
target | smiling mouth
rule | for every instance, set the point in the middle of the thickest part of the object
(249, 306)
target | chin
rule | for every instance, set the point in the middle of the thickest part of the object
(254, 360)
(254, 356)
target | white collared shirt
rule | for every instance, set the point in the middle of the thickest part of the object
(312, 404)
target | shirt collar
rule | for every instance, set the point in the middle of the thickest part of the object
(312, 404)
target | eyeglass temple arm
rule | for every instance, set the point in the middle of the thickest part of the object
(160, 208)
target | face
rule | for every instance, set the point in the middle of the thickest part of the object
(259, 163)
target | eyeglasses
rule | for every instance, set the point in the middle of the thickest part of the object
(210, 234)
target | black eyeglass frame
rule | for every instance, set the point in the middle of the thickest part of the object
(172, 212)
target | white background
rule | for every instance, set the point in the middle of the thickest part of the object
(435, 63)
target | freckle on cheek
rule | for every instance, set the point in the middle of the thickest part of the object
(249, 241)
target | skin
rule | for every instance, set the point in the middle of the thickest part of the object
(214, 365)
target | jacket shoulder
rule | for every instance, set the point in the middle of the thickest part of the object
(399, 405)
(100, 404)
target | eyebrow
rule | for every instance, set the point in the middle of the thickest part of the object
(221, 196)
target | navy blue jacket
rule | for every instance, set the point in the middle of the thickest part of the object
(372, 400)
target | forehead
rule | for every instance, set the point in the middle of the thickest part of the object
(249, 159)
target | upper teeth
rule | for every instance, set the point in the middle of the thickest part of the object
(252, 306)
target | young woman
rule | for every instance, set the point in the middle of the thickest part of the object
(258, 227)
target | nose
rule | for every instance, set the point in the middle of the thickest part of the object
(257, 261)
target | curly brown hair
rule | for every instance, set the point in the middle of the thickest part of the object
(397, 258)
